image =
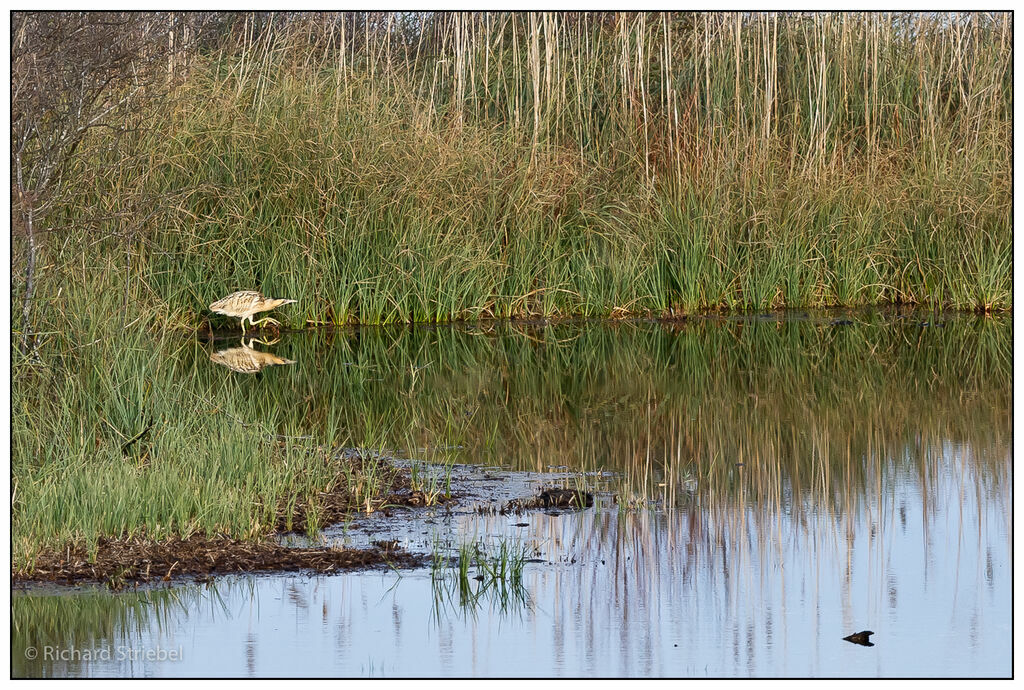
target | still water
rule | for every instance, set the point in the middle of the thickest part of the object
(763, 488)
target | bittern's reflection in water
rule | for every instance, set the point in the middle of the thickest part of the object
(246, 359)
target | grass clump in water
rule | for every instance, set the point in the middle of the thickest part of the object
(498, 577)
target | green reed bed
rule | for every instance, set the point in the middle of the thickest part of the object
(565, 164)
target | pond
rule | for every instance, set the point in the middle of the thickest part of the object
(764, 486)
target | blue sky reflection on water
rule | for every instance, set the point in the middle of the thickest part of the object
(726, 591)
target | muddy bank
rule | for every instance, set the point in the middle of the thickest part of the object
(386, 523)
(124, 561)
(340, 503)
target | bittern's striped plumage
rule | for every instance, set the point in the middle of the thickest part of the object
(245, 304)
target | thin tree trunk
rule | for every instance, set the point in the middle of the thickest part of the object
(27, 340)
(26, 205)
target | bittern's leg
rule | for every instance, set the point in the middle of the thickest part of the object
(267, 320)
(261, 341)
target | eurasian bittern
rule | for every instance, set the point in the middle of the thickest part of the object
(245, 304)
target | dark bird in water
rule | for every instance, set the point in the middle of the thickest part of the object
(861, 638)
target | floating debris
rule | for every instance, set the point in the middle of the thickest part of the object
(550, 498)
(861, 638)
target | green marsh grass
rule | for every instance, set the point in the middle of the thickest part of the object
(433, 478)
(480, 573)
(560, 164)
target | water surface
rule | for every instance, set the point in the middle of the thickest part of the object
(765, 486)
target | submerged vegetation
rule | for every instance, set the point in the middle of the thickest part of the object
(431, 167)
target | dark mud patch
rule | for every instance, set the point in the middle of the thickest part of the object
(481, 513)
(550, 498)
(124, 561)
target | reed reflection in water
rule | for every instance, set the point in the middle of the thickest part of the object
(720, 587)
(765, 488)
